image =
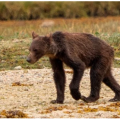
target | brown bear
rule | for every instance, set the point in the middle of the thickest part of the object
(79, 51)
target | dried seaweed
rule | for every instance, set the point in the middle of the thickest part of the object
(21, 84)
(13, 114)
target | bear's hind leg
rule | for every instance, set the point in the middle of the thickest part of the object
(97, 73)
(112, 83)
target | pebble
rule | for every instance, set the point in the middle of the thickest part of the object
(3, 61)
(23, 57)
(17, 68)
(25, 89)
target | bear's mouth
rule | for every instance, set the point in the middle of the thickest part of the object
(29, 60)
(33, 58)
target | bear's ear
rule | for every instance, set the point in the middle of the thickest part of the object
(48, 37)
(34, 35)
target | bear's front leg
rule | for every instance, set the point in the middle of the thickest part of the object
(78, 70)
(59, 79)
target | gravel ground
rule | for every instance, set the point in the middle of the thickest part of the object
(31, 91)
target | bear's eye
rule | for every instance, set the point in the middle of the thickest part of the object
(35, 50)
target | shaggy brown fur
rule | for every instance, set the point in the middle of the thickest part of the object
(79, 51)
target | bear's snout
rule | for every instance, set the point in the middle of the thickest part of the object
(28, 60)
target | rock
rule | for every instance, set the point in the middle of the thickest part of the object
(25, 105)
(25, 89)
(47, 24)
(98, 114)
(116, 58)
(3, 61)
(23, 57)
(17, 68)
(17, 41)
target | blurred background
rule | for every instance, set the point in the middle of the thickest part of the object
(41, 10)
(19, 19)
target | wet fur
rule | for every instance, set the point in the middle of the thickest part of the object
(80, 51)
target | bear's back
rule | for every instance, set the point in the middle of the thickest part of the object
(82, 46)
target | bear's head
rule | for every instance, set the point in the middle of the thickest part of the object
(39, 47)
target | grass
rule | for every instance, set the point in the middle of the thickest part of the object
(15, 37)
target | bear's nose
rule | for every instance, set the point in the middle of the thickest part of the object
(28, 59)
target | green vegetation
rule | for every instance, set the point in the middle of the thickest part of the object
(15, 37)
(40, 10)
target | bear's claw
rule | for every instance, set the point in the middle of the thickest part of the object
(114, 100)
(89, 99)
(56, 102)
